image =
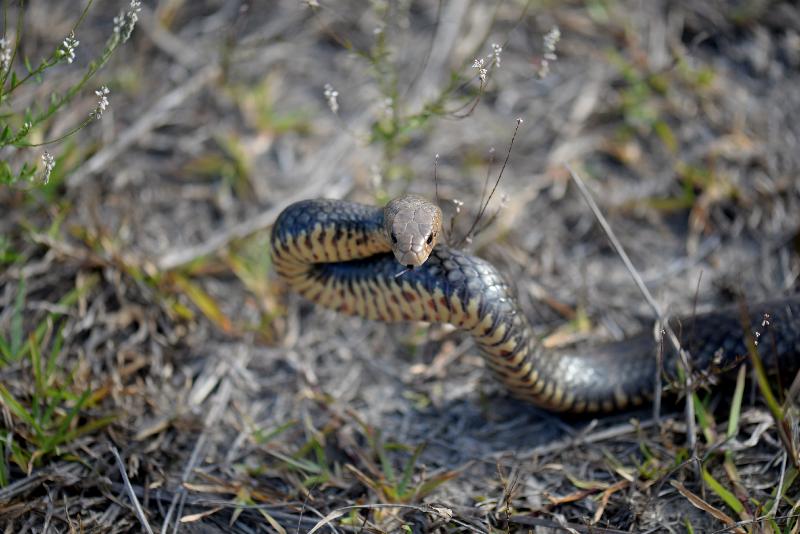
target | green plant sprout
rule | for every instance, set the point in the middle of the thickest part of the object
(19, 127)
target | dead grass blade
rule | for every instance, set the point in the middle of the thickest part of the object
(701, 504)
(131, 494)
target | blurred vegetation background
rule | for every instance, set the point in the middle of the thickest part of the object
(148, 355)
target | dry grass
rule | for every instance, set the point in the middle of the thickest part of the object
(152, 359)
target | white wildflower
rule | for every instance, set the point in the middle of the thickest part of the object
(312, 3)
(482, 71)
(119, 20)
(126, 20)
(5, 54)
(332, 97)
(67, 50)
(376, 176)
(496, 50)
(550, 40)
(102, 102)
(49, 163)
(386, 107)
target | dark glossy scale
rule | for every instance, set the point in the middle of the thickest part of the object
(470, 293)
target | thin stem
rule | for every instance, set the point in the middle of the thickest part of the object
(5, 17)
(58, 139)
(83, 15)
(18, 37)
(488, 174)
(436, 176)
(496, 183)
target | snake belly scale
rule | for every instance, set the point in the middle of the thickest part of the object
(340, 255)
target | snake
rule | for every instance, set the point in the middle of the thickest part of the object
(391, 264)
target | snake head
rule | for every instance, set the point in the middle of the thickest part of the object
(413, 225)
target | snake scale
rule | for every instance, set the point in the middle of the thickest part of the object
(348, 256)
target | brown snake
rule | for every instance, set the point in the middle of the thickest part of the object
(344, 256)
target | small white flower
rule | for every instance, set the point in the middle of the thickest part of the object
(102, 102)
(496, 50)
(119, 20)
(312, 3)
(386, 107)
(5, 54)
(49, 163)
(550, 40)
(332, 97)
(482, 71)
(126, 21)
(133, 16)
(376, 176)
(67, 50)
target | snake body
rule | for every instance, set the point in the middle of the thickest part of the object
(340, 255)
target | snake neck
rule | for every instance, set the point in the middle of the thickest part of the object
(318, 231)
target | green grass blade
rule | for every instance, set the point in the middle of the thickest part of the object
(3, 466)
(59, 435)
(263, 437)
(432, 483)
(87, 428)
(17, 334)
(380, 451)
(5, 350)
(736, 403)
(55, 398)
(763, 386)
(296, 463)
(408, 472)
(703, 418)
(723, 493)
(17, 409)
(38, 379)
(54, 353)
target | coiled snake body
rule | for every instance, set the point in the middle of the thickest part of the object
(340, 255)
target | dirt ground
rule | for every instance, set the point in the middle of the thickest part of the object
(180, 373)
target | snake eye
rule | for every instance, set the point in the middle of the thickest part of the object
(394, 238)
(430, 239)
